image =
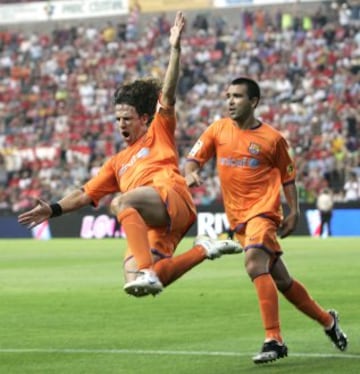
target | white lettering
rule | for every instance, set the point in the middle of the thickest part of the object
(211, 224)
(221, 223)
(86, 231)
(98, 227)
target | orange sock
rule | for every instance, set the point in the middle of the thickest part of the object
(298, 295)
(170, 269)
(269, 306)
(136, 234)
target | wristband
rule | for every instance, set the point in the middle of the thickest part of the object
(56, 210)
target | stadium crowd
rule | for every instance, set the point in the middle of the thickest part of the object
(56, 104)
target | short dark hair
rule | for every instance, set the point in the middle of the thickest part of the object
(253, 88)
(142, 94)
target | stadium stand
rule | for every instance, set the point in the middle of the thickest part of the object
(56, 108)
(18, 1)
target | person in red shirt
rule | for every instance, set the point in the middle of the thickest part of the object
(254, 164)
(155, 207)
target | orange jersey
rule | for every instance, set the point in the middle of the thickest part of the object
(252, 165)
(151, 161)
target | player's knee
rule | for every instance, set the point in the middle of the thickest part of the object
(256, 262)
(283, 284)
(120, 203)
(115, 205)
(255, 269)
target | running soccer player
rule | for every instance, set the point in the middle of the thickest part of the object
(253, 164)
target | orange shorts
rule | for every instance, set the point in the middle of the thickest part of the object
(260, 232)
(182, 212)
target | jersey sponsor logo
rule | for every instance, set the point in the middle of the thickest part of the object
(254, 148)
(144, 152)
(239, 162)
(196, 148)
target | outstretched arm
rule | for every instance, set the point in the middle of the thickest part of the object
(43, 211)
(172, 72)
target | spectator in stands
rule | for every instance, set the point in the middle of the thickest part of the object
(3, 173)
(4, 201)
(352, 188)
(55, 88)
(325, 205)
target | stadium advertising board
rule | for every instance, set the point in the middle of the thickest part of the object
(92, 223)
(172, 5)
(238, 3)
(231, 3)
(61, 10)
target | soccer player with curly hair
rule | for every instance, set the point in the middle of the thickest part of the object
(154, 207)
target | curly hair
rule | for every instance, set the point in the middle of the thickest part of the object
(142, 94)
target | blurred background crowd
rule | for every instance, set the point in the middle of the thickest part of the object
(57, 122)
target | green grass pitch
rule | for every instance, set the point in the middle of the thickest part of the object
(62, 310)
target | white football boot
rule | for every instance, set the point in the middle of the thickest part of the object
(216, 248)
(146, 283)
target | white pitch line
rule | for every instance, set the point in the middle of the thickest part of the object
(160, 352)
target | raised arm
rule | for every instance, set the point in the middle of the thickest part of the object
(172, 72)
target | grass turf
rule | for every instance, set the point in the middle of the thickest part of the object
(62, 310)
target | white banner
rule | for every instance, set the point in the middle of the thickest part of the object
(61, 10)
(270, 2)
(231, 3)
(239, 3)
